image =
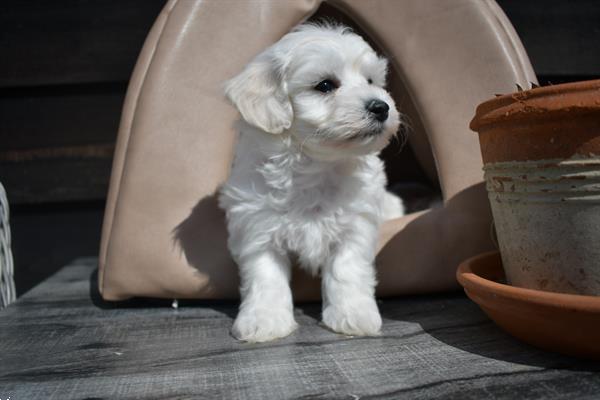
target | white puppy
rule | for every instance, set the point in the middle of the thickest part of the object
(306, 184)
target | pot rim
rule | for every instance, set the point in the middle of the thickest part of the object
(573, 99)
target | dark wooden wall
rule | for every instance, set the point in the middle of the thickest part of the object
(63, 76)
(62, 82)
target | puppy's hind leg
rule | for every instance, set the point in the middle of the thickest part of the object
(392, 206)
(266, 311)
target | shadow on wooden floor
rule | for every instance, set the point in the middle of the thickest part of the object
(467, 328)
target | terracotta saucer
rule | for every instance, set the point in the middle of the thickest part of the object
(565, 323)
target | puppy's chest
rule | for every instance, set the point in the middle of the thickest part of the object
(325, 197)
(315, 213)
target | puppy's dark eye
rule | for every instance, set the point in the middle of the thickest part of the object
(370, 81)
(326, 86)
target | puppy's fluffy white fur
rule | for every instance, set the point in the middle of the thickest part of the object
(306, 184)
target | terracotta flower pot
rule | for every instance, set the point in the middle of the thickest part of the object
(541, 153)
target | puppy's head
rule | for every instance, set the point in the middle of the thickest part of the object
(323, 85)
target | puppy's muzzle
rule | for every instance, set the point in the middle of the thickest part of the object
(378, 109)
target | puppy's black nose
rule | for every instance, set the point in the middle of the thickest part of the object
(378, 108)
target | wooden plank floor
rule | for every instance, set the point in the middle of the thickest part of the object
(59, 341)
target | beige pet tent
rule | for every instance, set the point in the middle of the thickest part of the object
(163, 234)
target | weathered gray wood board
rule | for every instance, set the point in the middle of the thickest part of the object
(60, 341)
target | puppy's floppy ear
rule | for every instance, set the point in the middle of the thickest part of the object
(259, 94)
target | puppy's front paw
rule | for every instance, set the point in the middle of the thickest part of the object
(255, 326)
(358, 319)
